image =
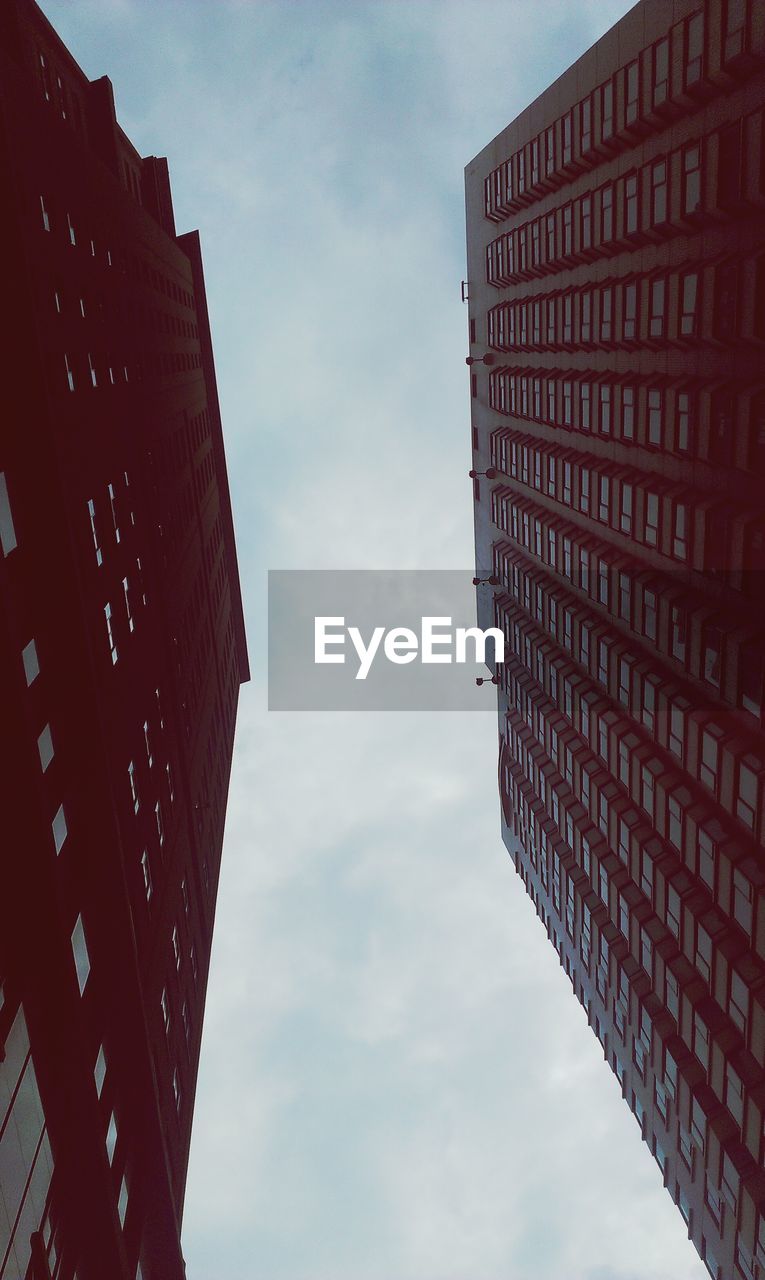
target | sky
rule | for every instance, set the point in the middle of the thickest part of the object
(396, 1081)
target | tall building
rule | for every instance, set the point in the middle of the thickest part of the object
(122, 649)
(616, 280)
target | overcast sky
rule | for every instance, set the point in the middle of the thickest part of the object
(397, 1083)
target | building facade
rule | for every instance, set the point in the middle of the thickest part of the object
(122, 649)
(616, 281)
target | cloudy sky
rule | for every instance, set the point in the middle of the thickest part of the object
(397, 1083)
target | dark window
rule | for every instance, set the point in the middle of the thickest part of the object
(689, 304)
(721, 429)
(658, 193)
(693, 65)
(750, 665)
(726, 302)
(631, 203)
(729, 168)
(607, 110)
(586, 125)
(734, 29)
(757, 434)
(629, 304)
(606, 213)
(632, 106)
(692, 178)
(660, 83)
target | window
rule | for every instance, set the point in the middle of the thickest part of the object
(45, 748)
(160, 825)
(679, 632)
(584, 406)
(126, 594)
(689, 305)
(585, 317)
(707, 851)
(701, 1040)
(606, 213)
(743, 901)
(655, 399)
(607, 110)
(31, 663)
(711, 655)
(693, 50)
(45, 215)
(632, 105)
(679, 532)
(585, 125)
(70, 229)
(683, 422)
(675, 823)
(676, 735)
(656, 320)
(625, 520)
(631, 204)
(99, 1070)
(111, 1137)
(738, 1001)
(703, 957)
(692, 179)
(651, 530)
(660, 82)
(747, 792)
(176, 948)
(673, 911)
(628, 413)
(110, 633)
(647, 795)
(672, 994)
(606, 315)
(659, 207)
(146, 869)
(566, 139)
(734, 1093)
(133, 787)
(585, 224)
(750, 666)
(604, 499)
(629, 311)
(567, 228)
(584, 489)
(59, 828)
(709, 759)
(80, 954)
(726, 302)
(122, 1203)
(734, 30)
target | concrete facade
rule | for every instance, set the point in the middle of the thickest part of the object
(616, 282)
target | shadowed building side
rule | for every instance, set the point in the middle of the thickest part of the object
(122, 650)
(616, 281)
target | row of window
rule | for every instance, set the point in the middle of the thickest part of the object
(723, 763)
(54, 218)
(85, 368)
(700, 641)
(663, 78)
(723, 426)
(576, 889)
(650, 310)
(663, 197)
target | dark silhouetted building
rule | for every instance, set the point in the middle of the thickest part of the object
(122, 650)
(616, 263)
